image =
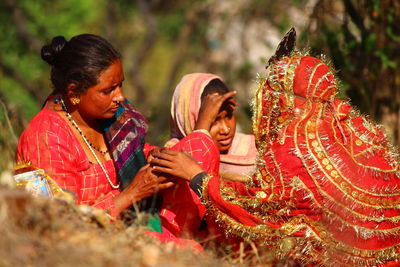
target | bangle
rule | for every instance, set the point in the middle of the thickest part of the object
(197, 182)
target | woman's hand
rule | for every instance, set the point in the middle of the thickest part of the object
(210, 107)
(176, 163)
(145, 184)
(154, 150)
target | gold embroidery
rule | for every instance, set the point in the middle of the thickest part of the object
(261, 194)
(346, 204)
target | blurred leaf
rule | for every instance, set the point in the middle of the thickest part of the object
(390, 33)
(387, 63)
(370, 42)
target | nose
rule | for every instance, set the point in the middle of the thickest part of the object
(119, 96)
(224, 129)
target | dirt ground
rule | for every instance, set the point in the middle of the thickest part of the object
(43, 232)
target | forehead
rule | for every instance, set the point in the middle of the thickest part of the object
(113, 74)
(226, 107)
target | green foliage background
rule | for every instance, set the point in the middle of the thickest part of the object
(162, 40)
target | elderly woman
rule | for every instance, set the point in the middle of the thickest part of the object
(326, 189)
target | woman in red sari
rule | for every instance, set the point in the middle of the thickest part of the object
(326, 189)
(87, 138)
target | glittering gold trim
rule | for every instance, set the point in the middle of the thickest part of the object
(316, 238)
(341, 176)
(316, 85)
(302, 238)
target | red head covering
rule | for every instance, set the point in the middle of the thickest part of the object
(326, 189)
(314, 80)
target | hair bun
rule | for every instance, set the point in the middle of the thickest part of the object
(49, 52)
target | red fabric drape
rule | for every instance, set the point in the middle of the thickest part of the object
(326, 188)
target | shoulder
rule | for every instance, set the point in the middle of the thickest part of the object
(47, 121)
(46, 128)
(242, 152)
(243, 145)
(47, 137)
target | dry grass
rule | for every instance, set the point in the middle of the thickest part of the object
(39, 232)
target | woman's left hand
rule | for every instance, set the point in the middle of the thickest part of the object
(176, 163)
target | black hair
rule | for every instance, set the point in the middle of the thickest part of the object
(214, 86)
(80, 60)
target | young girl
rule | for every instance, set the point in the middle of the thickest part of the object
(203, 103)
(193, 101)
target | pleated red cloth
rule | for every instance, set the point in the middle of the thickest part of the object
(327, 186)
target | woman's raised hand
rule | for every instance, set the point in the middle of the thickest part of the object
(176, 163)
(210, 107)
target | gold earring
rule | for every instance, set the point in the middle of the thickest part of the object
(75, 101)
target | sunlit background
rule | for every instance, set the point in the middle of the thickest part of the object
(161, 40)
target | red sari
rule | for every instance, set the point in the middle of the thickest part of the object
(49, 143)
(182, 210)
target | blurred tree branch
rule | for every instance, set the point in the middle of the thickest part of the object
(363, 45)
(111, 15)
(21, 25)
(13, 140)
(355, 16)
(29, 41)
(144, 50)
(15, 75)
(192, 20)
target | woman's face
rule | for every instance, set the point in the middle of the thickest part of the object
(100, 101)
(224, 127)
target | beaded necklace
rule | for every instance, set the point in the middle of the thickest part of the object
(87, 143)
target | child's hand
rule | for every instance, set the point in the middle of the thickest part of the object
(210, 108)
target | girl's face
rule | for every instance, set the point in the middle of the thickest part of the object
(100, 101)
(224, 127)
